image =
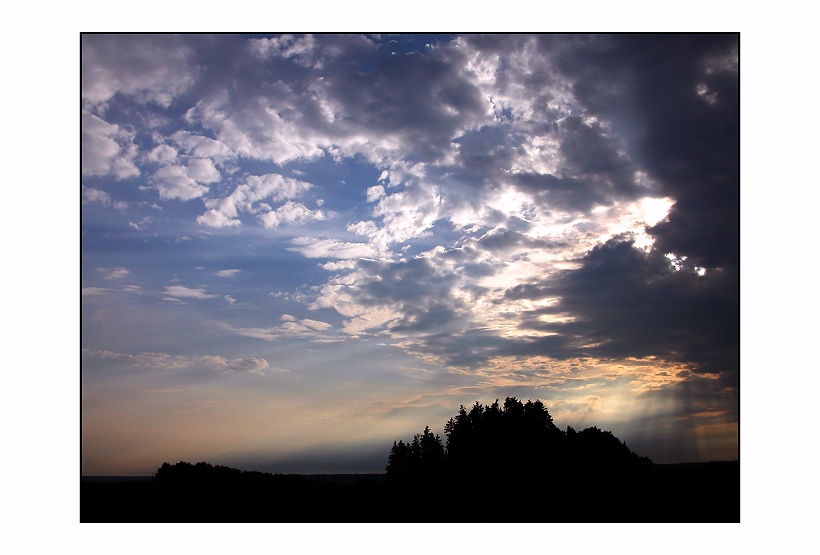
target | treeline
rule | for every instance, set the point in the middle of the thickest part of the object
(497, 463)
(512, 442)
(203, 473)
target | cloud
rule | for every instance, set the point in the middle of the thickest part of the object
(164, 361)
(91, 195)
(107, 149)
(143, 360)
(227, 273)
(200, 146)
(315, 324)
(625, 302)
(256, 129)
(214, 218)
(339, 266)
(96, 195)
(114, 273)
(285, 46)
(185, 182)
(237, 366)
(409, 213)
(579, 187)
(404, 297)
(292, 327)
(202, 170)
(290, 213)
(374, 193)
(182, 292)
(687, 146)
(313, 247)
(148, 68)
(173, 182)
(459, 307)
(163, 154)
(416, 103)
(412, 104)
(247, 197)
(93, 291)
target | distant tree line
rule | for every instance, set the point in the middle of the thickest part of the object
(513, 442)
(497, 463)
(204, 473)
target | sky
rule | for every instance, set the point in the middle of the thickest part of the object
(297, 249)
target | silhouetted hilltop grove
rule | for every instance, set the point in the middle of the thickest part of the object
(507, 463)
(512, 443)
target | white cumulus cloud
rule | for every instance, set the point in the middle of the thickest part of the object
(113, 273)
(107, 149)
(202, 147)
(182, 292)
(291, 213)
(173, 182)
(374, 193)
(248, 197)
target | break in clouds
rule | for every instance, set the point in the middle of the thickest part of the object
(476, 201)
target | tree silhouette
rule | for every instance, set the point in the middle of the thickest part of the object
(202, 473)
(513, 442)
(399, 462)
(421, 459)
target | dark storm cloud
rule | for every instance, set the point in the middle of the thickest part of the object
(651, 88)
(627, 303)
(675, 98)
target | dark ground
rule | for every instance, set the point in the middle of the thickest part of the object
(708, 492)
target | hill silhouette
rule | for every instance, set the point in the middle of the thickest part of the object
(498, 463)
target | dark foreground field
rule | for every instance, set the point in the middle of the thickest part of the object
(668, 493)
